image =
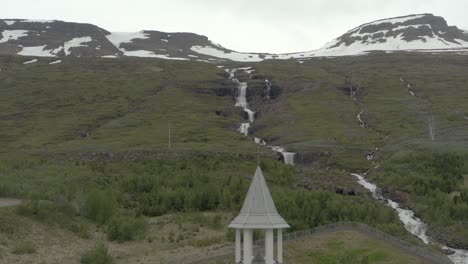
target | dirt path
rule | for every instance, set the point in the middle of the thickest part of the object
(5, 202)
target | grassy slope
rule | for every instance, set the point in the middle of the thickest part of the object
(126, 105)
(345, 247)
(180, 237)
(312, 110)
(313, 115)
(122, 105)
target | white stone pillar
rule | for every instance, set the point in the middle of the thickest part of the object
(248, 243)
(238, 246)
(269, 246)
(280, 246)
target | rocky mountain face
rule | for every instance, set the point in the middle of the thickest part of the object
(425, 32)
(53, 39)
(45, 38)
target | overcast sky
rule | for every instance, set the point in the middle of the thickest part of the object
(243, 25)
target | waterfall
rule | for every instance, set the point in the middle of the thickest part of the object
(251, 114)
(260, 141)
(413, 224)
(241, 101)
(352, 94)
(408, 85)
(244, 128)
(287, 156)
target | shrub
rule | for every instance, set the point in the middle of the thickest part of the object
(125, 228)
(208, 241)
(81, 229)
(100, 206)
(98, 255)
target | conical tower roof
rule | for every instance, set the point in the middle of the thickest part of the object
(259, 210)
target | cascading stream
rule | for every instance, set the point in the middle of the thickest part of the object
(241, 101)
(408, 85)
(268, 85)
(413, 224)
(361, 123)
(352, 94)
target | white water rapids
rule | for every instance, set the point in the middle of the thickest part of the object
(241, 101)
(413, 224)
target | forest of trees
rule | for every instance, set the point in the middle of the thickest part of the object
(101, 191)
(437, 188)
(118, 194)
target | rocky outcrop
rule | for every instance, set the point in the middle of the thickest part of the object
(310, 157)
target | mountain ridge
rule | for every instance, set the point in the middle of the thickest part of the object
(55, 38)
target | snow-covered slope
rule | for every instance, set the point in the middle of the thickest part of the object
(414, 32)
(51, 38)
(417, 33)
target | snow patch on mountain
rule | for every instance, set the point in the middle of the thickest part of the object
(74, 43)
(117, 38)
(150, 54)
(10, 22)
(38, 51)
(38, 21)
(55, 62)
(13, 35)
(30, 61)
(391, 44)
(139, 53)
(235, 56)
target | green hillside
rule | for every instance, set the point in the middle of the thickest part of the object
(86, 142)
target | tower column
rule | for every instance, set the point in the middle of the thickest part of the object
(269, 246)
(280, 246)
(238, 246)
(248, 239)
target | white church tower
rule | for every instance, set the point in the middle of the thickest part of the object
(258, 212)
